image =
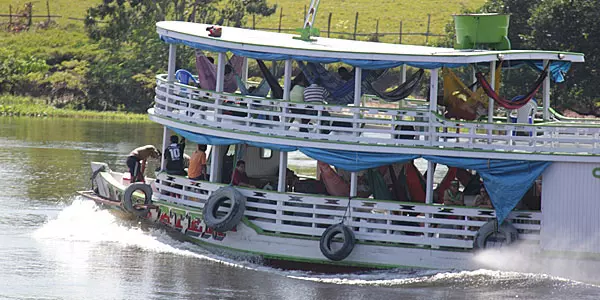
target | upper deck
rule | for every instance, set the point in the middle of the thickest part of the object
(359, 127)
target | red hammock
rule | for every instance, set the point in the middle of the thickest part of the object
(505, 102)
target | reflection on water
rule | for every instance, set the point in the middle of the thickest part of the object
(54, 245)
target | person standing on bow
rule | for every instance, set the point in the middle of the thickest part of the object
(137, 158)
(174, 156)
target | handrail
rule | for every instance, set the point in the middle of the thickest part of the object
(369, 126)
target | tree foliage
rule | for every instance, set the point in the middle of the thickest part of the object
(127, 30)
(559, 25)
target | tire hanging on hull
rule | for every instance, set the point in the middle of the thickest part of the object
(328, 237)
(490, 232)
(214, 218)
(128, 201)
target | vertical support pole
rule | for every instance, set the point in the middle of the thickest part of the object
(353, 184)
(171, 65)
(429, 189)
(171, 72)
(48, 9)
(493, 85)
(357, 97)
(215, 161)
(402, 80)
(473, 77)
(165, 144)
(221, 72)
(433, 91)
(546, 93)
(10, 15)
(282, 172)
(491, 101)
(287, 86)
(245, 71)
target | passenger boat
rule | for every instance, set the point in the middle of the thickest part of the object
(556, 157)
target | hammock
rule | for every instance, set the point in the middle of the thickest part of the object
(276, 89)
(341, 91)
(508, 104)
(262, 90)
(402, 91)
(207, 73)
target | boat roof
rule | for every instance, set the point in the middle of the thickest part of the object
(282, 43)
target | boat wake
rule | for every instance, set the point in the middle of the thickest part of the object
(84, 222)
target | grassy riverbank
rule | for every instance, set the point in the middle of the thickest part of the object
(36, 107)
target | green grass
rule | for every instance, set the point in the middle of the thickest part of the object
(36, 107)
(64, 8)
(413, 15)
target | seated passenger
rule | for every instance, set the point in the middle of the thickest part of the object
(174, 156)
(344, 74)
(453, 196)
(137, 158)
(315, 93)
(483, 199)
(239, 177)
(197, 167)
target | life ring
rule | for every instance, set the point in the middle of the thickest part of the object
(328, 237)
(500, 236)
(221, 221)
(128, 201)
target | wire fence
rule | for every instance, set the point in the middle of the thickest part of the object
(22, 19)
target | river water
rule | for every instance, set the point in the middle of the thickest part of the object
(55, 245)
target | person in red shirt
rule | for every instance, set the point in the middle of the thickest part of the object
(239, 176)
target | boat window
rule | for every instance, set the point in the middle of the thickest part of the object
(266, 153)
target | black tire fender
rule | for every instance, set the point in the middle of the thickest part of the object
(506, 231)
(128, 201)
(327, 238)
(233, 216)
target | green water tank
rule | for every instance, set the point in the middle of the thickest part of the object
(482, 31)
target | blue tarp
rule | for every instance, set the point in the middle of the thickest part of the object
(347, 160)
(506, 181)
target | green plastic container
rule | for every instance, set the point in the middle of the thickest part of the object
(482, 31)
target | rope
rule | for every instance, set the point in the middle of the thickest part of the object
(347, 211)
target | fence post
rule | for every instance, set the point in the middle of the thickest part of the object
(329, 24)
(355, 25)
(29, 21)
(304, 15)
(253, 21)
(400, 34)
(377, 31)
(10, 15)
(280, 16)
(428, 23)
(48, 8)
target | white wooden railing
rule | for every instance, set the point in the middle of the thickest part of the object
(391, 222)
(366, 125)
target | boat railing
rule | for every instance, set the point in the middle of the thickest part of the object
(376, 221)
(366, 125)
